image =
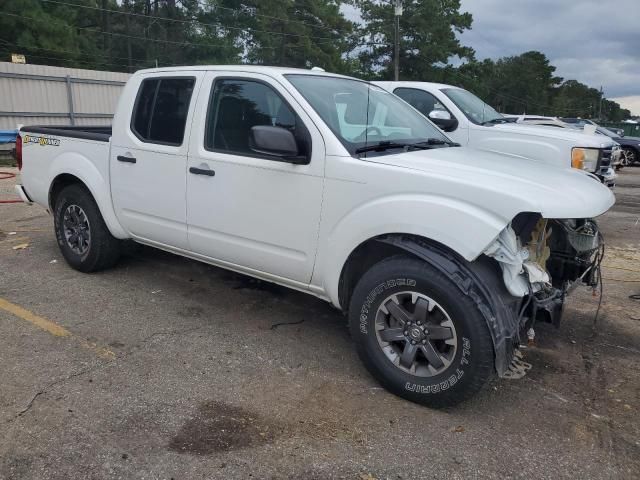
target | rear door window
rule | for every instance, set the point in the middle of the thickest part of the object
(160, 112)
(144, 107)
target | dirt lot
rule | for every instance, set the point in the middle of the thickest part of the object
(167, 368)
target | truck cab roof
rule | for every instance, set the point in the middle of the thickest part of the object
(265, 70)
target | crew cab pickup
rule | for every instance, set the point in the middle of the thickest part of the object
(471, 122)
(440, 255)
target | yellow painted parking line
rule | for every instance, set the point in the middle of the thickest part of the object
(52, 327)
(46, 325)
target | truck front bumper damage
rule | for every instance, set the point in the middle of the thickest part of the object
(521, 276)
(518, 287)
(542, 263)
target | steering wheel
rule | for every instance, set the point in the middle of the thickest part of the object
(369, 131)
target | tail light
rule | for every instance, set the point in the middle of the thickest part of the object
(19, 151)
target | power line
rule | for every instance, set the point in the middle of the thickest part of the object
(192, 21)
(255, 14)
(70, 52)
(157, 40)
(182, 43)
(146, 39)
(7, 50)
(75, 54)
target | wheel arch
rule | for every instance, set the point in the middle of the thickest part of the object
(372, 251)
(76, 169)
(58, 184)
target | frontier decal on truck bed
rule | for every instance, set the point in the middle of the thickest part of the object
(54, 142)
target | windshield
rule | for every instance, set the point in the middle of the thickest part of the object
(474, 109)
(361, 114)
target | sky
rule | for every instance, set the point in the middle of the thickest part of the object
(596, 42)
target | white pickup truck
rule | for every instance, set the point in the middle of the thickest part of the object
(471, 122)
(440, 255)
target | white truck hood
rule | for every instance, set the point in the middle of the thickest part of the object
(577, 138)
(506, 185)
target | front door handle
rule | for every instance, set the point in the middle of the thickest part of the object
(122, 158)
(202, 171)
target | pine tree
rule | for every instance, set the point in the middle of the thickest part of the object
(427, 36)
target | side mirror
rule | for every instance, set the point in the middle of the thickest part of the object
(443, 119)
(276, 142)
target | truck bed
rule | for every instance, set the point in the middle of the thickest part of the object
(99, 133)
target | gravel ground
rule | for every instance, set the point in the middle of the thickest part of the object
(168, 368)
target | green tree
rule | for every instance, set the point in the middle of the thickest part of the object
(47, 34)
(428, 38)
(125, 35)
(164, 33)
(297, 33)
(613, 112)
(524, 83)
(575, 99)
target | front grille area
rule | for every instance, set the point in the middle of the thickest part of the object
(605, 160)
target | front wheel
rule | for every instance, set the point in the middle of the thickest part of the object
(83, 238)
(418, 335)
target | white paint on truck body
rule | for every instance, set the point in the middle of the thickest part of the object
(296, 225)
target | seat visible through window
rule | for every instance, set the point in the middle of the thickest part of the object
(239, 105)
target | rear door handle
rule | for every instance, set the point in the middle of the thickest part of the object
(122, 158)
(202, 171)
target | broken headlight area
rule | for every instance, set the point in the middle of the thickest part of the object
(576, 248)
(542, 260)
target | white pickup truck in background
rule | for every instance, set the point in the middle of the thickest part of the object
(471, 122)
(441, 255)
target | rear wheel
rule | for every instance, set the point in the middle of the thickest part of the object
(83, 238)
(418, 335)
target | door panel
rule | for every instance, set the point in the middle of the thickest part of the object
(149, 195)
(149, 162)
(255, 212)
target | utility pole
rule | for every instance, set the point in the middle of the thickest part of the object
(396, 47)
(127, 8)
(600, 112)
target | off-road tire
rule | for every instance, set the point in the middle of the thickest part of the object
(103, 248)
(473, 362)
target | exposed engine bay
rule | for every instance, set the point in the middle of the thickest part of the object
(543, 260)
